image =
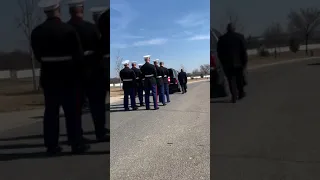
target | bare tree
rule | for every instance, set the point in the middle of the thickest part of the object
(231, 17)
(118, 67)
(196, 72)
(27, 21)
(304, 22)
(182, 66)
(273, 36)
(205, 69)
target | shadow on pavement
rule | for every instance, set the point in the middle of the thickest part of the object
(43, 155)
(222, 101)
(85, 110)
(38, 136)
(314, 64)
(119, 107)
(28, 145)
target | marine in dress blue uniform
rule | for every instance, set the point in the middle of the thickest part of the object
(128, 79)
(139, 86)
(160, 88)
(57, 47)
(93, 72)
(166, 74)
(150, 84)
(101, 16)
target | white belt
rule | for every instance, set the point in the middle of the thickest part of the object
(143, 79)
(126, 80)
(151, 75)
(137, 78)
(159, 76)
(60, 58)
(87, 53)
(165, 76)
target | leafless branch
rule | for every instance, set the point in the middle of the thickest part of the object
(303, 23)
(231, 17)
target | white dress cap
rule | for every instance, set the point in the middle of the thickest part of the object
(146, 56)
(98, 10)
(140, 64)
(75, 3)
(125, 62)
(49, 5)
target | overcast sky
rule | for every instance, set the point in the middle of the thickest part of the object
(256, 15)
(12, 38)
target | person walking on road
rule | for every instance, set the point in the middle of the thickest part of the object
(128, 79)
(57, 47)
(139, 85)
(93, 76)
(182, 76)
(165, 81)
(160, 88)
(232, 53)
(149, 72)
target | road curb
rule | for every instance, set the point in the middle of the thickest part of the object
(282, 62)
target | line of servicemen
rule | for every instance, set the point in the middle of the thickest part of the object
(148, 78)
(74, 58)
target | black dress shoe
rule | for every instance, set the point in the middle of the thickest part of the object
(242, 95)
(54, 150)
(135, 108)
(107, 131)
(156, 108)
(105, 138)
(164, 104)
(127, 109)
(142, 104)
(78, 149)
(84, 140)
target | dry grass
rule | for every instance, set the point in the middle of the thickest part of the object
(17, 95)
(257, 60)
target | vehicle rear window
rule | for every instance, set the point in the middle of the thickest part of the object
(170, 72)
(214, 39)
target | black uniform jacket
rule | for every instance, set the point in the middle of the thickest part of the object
(128, 78)
(56, 45)
(139, 77)
(166, 74)
(90, 38)
(149, 73)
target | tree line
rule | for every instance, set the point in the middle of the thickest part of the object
(302, 28)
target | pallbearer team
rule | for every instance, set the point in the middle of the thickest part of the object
(148, 78)
(74, 58)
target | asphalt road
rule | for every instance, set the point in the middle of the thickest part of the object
(274, 133)
(170, 143)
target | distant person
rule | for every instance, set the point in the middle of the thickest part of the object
(160, 88)
(138, 86)
(165, 81)
(128, 79)
(57, 47)
(149, 73)
(93, 73)
(183, 79)
(232, 53)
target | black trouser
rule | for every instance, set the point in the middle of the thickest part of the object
(236, 81)
(183, 87)
(95, 91)
(66, 97)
